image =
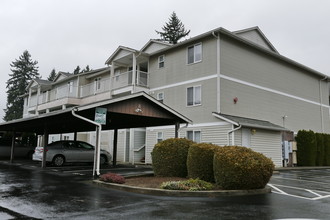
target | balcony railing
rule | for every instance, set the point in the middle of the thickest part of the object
(99, 86)
(126, 79)
(96, 87)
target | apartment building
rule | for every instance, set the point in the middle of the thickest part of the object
(235, 87)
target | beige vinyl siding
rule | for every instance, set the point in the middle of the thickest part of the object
(264, 105)
(121, 145)
(215, 134)
(238, 137)
(256, 38)
(176, 98)
(269, 144)
(250, 65)
(176, 68)
(151, 139)
(139, 141)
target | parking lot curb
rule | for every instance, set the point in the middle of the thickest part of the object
(182, 193)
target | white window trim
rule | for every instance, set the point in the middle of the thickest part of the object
(193, 105)
(194, 45)
(97, 84)
(193, 131)
(161, 138)
(161, 61)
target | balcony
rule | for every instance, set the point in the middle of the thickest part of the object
(100, 89)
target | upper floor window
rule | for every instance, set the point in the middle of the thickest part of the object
(160, 96)
(195, 53)
(70, 86)
(97, 82)
(194, 95)
(194, 136)
(161, 61)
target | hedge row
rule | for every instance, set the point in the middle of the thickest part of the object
(230, 167)
(313, 148)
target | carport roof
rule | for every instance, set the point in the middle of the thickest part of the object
(136, 110)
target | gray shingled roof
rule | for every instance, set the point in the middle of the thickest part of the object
(252, 123)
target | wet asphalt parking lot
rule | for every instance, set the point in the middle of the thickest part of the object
(29, 192)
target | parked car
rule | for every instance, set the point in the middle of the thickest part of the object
(60, 152)
(20, 150)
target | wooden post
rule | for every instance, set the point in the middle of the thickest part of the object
(114, 154)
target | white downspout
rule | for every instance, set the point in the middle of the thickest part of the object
(96, 167)
(231, 131)
(321, 103)
(218, 72)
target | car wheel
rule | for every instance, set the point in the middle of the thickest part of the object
(58, 160)
(103, 160)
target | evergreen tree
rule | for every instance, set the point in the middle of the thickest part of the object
(52, 75)
(87, 69)
(23, 70)
(77, 70)
(173, 30)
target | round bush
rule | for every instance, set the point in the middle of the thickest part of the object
(238, 167)
(169, 157)
(200, 161)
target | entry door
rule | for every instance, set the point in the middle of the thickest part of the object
(246, 137)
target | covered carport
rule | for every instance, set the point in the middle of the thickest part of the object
(132, 111)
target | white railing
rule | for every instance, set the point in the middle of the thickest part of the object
(126, 79)
(95, 87)
(99, 86)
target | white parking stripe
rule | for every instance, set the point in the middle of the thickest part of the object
(319, 196)
(274, 187)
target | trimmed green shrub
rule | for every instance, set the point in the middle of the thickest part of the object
(319, 149)
(238, 167)
(306, 148)
(169, 157)
(191, 185)
(327, 149)
(200, 161)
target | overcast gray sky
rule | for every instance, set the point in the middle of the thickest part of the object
(62, 34)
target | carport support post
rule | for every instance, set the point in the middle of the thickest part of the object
(12, 150)
(114, 154)
(177, 127)
(44, 144)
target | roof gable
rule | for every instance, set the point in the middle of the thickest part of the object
(120, 52)
(154, 45)
(256, 36)
(61, 75)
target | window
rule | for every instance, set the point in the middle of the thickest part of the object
(70, 86)
(161, 61)
(194, 136)
(160, 96)
(195, 53)
(194, 96)
(97, 84)
(117, 73)
(160, 137)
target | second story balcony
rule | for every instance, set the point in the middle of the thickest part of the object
(68, 94)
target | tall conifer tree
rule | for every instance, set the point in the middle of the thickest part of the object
(173, 30)
(23, 70)
(52, 75)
